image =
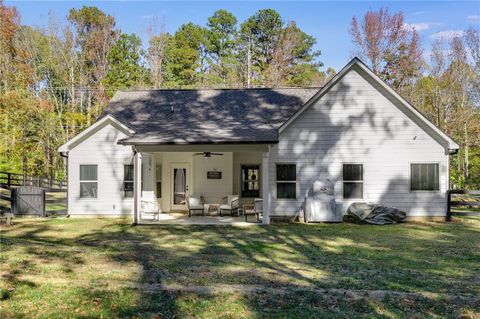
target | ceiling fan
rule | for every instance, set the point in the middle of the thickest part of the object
(208, 154)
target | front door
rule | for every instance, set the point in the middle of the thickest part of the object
(180, 183)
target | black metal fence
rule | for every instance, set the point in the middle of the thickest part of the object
(15, 196)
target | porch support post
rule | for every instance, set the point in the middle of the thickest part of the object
(266, 187)
(137, 188)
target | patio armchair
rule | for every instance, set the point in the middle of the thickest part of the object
(149, 205)
(255, 208)
(195, 204)
(231, 205)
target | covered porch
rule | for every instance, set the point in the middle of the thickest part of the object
(166, 176)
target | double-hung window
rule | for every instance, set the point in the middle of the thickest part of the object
(128, 180)
(424, 177)
(88, 181)
(286, 181)
(250, 180)
(353, 181)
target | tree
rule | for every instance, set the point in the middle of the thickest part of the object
(472, 37)
(125, 68)
(96, 35)
(261, 34)
(293, 61)
(392, 49)
(275, 54)
(156, 57)
(183, 56)
(15, 70)
(221, 36)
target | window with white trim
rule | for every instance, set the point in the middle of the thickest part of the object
(353, 181)
(128, 180)
(286, 181)
(424, 177)
(88, 181)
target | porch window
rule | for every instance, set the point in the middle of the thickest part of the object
(353, 181)
(88, 181)
(128, 181)
(424, 177)
(250, 180)
(286, 181)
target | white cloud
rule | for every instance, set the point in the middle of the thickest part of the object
(474, 17)
(420, 26)
(417, 13)
(448, 34)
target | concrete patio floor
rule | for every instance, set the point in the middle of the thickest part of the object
(181, 218)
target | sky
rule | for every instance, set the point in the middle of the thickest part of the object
(327, 21)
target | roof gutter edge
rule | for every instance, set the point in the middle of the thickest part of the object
(126, 142)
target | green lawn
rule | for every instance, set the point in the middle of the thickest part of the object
(90, 268)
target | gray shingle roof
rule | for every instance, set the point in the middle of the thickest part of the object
(206, 116)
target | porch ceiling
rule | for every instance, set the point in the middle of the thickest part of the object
(204, 148)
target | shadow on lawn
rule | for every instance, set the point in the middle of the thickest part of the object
(284, 256)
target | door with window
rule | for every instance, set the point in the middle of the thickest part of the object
(180, 184)
(250, 180)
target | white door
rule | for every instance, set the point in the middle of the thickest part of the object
(180, 182)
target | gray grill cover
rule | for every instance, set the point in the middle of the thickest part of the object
(374, 214)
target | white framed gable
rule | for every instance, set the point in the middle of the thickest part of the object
(106, 120)
(356, 64)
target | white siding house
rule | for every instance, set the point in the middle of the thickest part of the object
(355, 131)
(355, 122)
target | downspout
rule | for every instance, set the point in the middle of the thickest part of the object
(65, 155)
(448, 216)
(452, 151)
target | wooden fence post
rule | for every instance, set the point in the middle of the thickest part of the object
(13, 204)
(9, 179)
(44, 212)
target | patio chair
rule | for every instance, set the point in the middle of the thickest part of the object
(231, 205)
(149, 205)
(195, 204)
(255, 208)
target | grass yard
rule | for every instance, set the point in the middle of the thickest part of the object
(90, 268)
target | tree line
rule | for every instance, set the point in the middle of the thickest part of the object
(55, 80)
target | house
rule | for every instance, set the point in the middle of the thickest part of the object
(274, 143)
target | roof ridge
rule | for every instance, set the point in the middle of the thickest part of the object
(223, 89)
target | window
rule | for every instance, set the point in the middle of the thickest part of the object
(352, 181)
(424, 177)
(286, 181)
(88, 181)
(250, 180)
(159, 180)
(128, 180)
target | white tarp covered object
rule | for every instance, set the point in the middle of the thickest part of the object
(320, 204)
(374, 214)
